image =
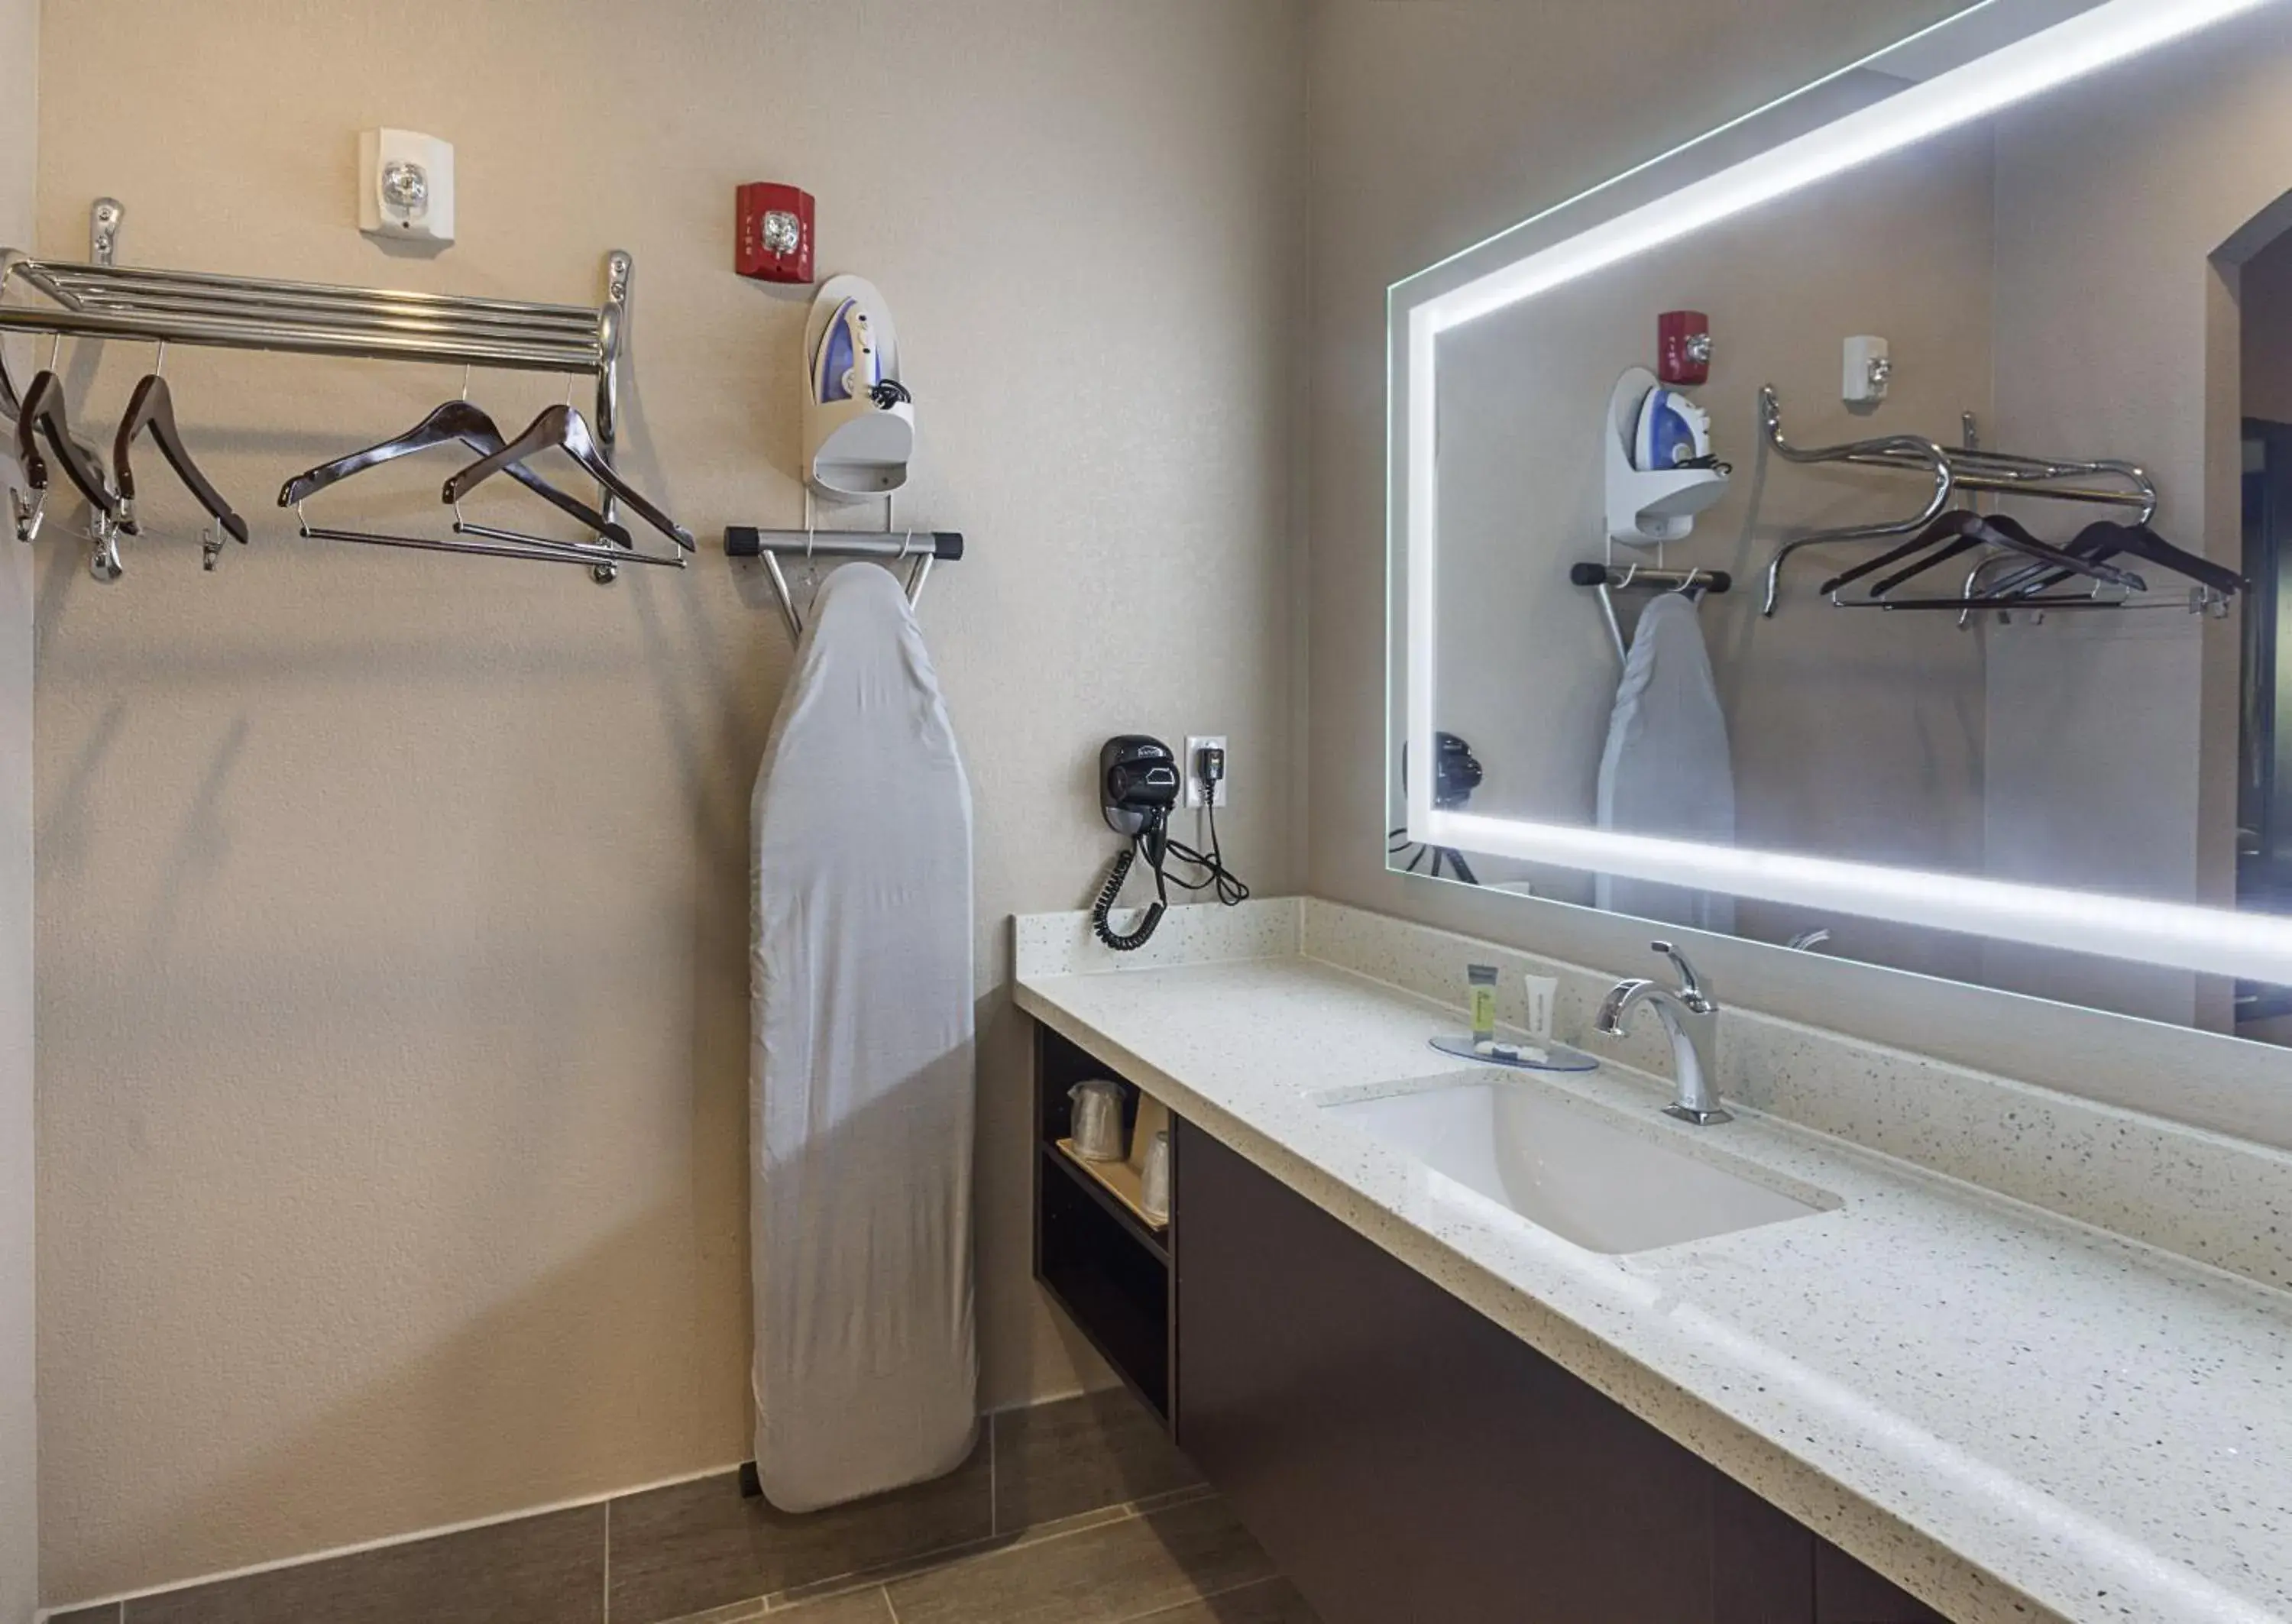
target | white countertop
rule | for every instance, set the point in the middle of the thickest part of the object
(2014, 1415)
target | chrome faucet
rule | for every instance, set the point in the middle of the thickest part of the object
(1691, 1017)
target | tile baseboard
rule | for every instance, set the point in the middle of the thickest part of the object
(698, 1547)
(548, 1566)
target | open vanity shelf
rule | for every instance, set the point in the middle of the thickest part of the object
(1102, 1261)
(1120, 1181)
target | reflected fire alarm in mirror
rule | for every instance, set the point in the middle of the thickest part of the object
(773, 232)
(1869, 370)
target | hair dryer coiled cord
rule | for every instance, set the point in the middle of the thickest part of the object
(1135, 939)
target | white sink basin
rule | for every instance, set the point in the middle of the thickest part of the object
(1567, 1166)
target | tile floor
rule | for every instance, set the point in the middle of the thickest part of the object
(1181, 1560)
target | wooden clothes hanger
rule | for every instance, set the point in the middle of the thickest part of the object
(43, 410)
(2106, 539)
(460, 422)
(152, 406)
(455, 422)
(12, 404)
(560, 428)
(1960, 532)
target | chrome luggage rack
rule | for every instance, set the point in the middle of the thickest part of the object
(104, 300)
(185, 306)
(1968, 469)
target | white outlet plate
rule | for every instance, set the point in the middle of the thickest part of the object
(1194, 748)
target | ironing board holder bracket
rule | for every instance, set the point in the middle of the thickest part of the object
(921, 549)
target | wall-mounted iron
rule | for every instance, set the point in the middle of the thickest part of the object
(858, 419)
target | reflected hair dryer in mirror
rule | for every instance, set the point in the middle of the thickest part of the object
(1457, 773)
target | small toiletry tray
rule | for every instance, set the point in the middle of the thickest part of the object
(1555, 1057)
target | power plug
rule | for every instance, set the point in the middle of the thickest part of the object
(1205, 769)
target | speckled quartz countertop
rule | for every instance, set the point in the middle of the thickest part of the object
(2011, 1414)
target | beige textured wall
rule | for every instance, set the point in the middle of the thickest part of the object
(19, 1474)
(392, 989)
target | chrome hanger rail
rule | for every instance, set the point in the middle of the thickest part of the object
(104, 300)
(925, 547)
(1954, 473)
(1608, 579)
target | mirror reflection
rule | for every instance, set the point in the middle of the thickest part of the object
(1935, 516)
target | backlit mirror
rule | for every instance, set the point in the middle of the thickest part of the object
(1864, 530)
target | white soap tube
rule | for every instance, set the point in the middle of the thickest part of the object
(1541, 992)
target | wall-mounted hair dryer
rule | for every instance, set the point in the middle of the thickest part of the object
(1137, 784)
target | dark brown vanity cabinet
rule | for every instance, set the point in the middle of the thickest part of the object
(1401, 1457)
(1845, 1592)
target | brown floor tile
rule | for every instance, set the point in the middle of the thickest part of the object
(695, 1545)
(543, 1569)
(1078, 1454)
(866, 1606)
(858, 1607)
(1114, 1572)
(739, 1613)
(1274, 1601)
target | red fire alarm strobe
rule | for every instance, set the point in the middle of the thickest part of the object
(773, 239)
(1683, 347)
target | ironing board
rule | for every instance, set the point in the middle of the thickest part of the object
(1666, 769)
(861, 1071)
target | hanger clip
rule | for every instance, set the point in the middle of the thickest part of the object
(103, 560)
(27, 514)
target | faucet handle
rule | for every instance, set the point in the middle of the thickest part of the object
(1690, 987)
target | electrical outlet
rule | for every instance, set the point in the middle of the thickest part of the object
(1194, 748)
